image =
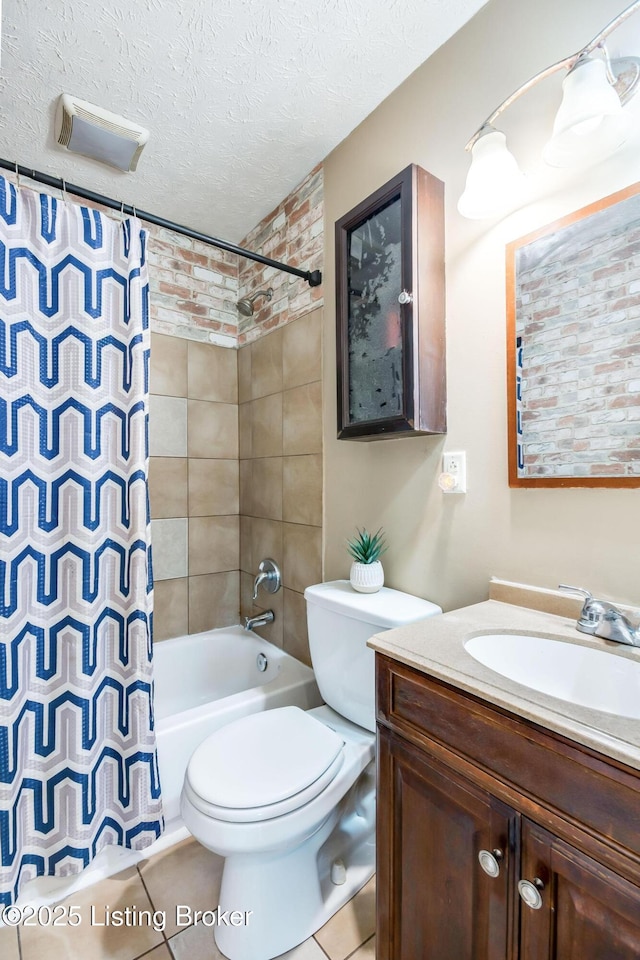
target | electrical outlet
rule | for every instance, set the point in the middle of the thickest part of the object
(454, 465)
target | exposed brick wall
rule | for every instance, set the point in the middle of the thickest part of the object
(578, 309)
(292, 233)
(194, 288)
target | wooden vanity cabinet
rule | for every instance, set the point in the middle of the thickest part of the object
(457, 776)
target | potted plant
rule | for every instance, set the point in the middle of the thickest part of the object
(366, 575)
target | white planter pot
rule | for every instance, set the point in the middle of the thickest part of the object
(366, 577)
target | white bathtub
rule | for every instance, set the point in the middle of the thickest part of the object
(208, 679)
(201, 682)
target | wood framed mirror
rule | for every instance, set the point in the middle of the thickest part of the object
(573, 349)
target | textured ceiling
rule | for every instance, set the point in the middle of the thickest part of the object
(242, 97)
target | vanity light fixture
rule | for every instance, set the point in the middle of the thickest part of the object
(589, 126)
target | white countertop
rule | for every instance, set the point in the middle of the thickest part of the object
(435, 647)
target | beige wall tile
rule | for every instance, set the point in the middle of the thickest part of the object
(9, 943)
(90, 941)
(214, 544)
(351, 926)
(168, 367)
(295, 635)
(266, 488)
(212, 372)
(244, 374)
(245, 430)
(169, 545)
(170, 609)
(246, 544)
(246, 487)
(266, 426)
(266, 541)
(302, 350)
(167, 426)
(185, 873)
(214, 601)
(246, 595)
(302, 489)
(214, 487)
(266, 365)
(302, 419)
(168, 486)
(213, 430)
(302, 556)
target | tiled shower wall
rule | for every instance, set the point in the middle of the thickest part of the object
(235, 477)
(213, 514)
(193, 485)
(280, 393)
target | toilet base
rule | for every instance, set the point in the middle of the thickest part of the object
(287, 897)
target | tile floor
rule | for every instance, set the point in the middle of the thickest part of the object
(184, 874)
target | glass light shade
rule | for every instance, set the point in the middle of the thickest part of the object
(590, 123)
(495, 183)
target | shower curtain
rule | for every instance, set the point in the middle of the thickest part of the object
(78, 766)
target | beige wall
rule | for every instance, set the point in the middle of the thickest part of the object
(446, 547)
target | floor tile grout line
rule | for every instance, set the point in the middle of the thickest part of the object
(165, 939)
(147, 952)
(321, 947)
(360, 947)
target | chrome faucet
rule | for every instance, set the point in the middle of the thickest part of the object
(260, 620)
(599, 618)
(269, 575)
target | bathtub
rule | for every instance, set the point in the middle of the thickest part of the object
(202, 681)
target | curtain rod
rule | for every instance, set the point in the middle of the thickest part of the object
(313, 277)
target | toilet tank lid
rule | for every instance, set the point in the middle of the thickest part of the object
(387, 608)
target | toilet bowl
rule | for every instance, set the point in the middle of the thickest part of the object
(288, 796)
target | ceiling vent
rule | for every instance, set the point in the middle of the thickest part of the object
(93, 132)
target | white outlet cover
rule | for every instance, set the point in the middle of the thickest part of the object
(454, 464)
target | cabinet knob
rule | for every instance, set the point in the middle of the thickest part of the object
(530, 891)
(405, 297)
(490, 861)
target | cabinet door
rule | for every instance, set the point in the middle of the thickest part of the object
(435, 902)
(587, 912)
(390, 311)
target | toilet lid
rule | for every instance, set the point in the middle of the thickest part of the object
(263, 759)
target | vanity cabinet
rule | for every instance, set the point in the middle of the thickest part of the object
(458, 777)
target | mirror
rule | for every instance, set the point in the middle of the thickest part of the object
(573, 349)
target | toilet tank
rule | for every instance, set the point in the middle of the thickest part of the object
(340, 622)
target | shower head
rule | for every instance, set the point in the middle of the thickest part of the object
(245, 306)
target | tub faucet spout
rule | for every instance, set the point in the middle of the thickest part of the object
(260, 620)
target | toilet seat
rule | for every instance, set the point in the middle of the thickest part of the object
(263, 765)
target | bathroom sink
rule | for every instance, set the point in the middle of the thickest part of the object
(574, 673)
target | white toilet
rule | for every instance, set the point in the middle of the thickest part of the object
(288, 796)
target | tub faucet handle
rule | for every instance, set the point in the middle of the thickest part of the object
(269, 575)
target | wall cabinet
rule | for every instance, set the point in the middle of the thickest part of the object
(390, 323)
(497, 839)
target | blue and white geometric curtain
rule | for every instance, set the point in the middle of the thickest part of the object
(78, 766)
